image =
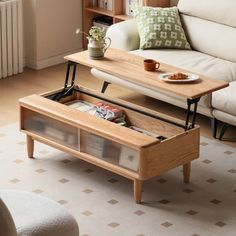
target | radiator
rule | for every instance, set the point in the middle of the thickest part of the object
(11, 38)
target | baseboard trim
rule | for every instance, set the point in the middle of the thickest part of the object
(47, 62)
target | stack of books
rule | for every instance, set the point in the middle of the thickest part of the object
(103, 21)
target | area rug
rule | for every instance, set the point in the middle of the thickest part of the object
(103, 204)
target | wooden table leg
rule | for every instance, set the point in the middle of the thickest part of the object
(186, 172)
(138, 190)
(30, 146)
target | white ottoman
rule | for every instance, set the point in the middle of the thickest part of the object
(34, 215)
(224, 106)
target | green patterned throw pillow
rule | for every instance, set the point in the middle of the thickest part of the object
(160, 28)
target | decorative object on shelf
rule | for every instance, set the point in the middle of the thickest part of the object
(98, 42)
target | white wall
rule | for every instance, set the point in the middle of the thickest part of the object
(49, 31)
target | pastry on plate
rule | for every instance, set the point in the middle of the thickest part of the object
(178, 76)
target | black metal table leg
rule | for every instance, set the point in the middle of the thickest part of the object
(67, 90)
(104, 86)
(214, 125)
(191, 102)
(224, 128)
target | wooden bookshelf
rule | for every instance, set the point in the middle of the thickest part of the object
(117, 13)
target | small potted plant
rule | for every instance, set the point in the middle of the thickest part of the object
(97, 42)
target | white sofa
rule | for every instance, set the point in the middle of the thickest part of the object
(210, 27)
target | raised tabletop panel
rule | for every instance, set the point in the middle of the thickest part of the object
(130, 67)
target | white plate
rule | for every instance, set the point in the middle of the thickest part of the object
(191, 77)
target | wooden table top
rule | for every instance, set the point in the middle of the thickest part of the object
(130, 67)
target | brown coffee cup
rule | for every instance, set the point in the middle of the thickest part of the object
(151, 65)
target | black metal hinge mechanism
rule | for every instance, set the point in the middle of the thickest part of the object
(68, 89)
(191, 112)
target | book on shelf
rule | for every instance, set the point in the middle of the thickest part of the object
(129, 5)
(95, 3)
(106, 4)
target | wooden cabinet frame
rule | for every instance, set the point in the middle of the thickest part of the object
(155, 156)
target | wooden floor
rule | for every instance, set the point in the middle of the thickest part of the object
(36, 82)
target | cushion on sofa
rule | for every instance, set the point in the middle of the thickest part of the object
(160, 28)
(210, 26)
(219, 41)
(225, 99)
(219, 11)
(225, 117)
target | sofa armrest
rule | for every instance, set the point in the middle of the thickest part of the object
(124, 35)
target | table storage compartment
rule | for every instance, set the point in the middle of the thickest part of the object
(124, 150)
(51, 129)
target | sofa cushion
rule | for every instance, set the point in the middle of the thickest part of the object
(215, 39)
(219, 11)
(225, 117)
(160, 28)
(225, 99)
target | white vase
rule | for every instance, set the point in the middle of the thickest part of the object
(96, 49)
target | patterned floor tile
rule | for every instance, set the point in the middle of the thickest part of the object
(112, 180)
(113, 224)
(162, 181)
(192, 212)
(15, 180)
(228, 152)
(220, 224)
(232, 171)
(66, 161)
(206, 161)
(211, 181)
(167, 224)
(188, 190)
(164, 201)
(215, 201)
(62, 202)
(139, 213)
(38, 191)
(88, 191)
(87, 213)
(18, 161)
(40, 171)
(113, 202)
(63, 181)
(89, 171)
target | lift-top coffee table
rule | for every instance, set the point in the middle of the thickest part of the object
(51, 119)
